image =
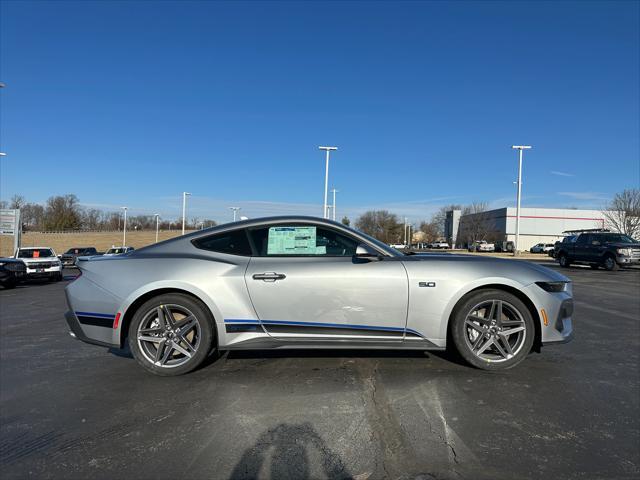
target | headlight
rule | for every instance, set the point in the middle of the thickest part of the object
(553, 287)
(624, 251)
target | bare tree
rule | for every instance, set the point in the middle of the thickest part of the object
(438, 219)
(431, 231)
(623, 213)
(381, 224)
(473, 223)
(17, 202)
(62, 213)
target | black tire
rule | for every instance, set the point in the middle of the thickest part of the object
(610, 263)
(564, 261)
(514, 311)
(594, 266)
(201, 341)
(9, 284)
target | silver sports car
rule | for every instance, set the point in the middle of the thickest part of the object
(303, 282)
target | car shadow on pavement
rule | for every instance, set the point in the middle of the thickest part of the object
(289, 450)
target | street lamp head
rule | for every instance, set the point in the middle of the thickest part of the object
(124, 208)
(328, 148)
(2, 154)
(521, 147)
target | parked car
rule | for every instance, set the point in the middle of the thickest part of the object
(303, 282)
(12, 272)
(541, 248)
(504, 246)
(399, 246)
(68, 258)
(439, 245)
(482, 246)
(600, 249)
(41, 262)
(118, 251)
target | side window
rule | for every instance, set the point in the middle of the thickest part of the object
(234, 242)
(582, 239)
(302, 240)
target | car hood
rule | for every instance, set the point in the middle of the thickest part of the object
(498, 266)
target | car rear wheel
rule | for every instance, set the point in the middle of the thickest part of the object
(610, 263)
(564, 260)
(493, 330)
(171, 334)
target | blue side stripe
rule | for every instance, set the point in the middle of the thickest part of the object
(97, 315)
(321, 324)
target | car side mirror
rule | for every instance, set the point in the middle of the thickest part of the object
(365, 252)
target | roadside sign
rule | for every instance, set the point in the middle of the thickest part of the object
(9, 221)
(10, 226)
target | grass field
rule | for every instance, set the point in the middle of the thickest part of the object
(61, 242)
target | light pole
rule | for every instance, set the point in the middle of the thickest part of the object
(325, 211)
(333, 209)
(124, 229)
(184, 209)
(235, 211)
(157, 215)
(520, 148)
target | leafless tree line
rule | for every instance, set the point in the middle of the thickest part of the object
(64, 213)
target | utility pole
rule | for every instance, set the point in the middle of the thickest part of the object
(325, 210)
(157, 215)
(235, 211)
(333, 209)
(520, 148)
(124, 228)
(184, 209)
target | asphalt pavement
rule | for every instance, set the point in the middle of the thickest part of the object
(70, 410)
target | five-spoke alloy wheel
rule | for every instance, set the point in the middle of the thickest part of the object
(493, 329)
(171, 334)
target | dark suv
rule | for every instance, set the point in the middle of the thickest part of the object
(68, 258)
(599, 249)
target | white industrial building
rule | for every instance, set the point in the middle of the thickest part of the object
(537, 225)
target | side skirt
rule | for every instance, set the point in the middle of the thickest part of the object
(306, 343)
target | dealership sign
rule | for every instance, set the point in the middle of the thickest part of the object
(9, 222)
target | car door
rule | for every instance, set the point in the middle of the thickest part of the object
(305, 282)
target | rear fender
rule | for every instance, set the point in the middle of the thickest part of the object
(120, 333)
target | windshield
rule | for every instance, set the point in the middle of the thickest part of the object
(35, 253)
(116, 250)
(76, 251)
(618, 238)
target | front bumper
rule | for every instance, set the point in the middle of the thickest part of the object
(558, 310)
(36, 272)
(628, 261)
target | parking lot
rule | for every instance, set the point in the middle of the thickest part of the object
(71, 410)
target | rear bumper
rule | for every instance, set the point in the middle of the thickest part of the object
(75, 330)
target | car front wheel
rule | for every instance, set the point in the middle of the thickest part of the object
(493, 330)
(564, 261)
(610, 263)
(171, 334)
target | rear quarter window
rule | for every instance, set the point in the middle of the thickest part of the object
(234, 242)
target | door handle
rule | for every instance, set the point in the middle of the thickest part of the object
(269, 276)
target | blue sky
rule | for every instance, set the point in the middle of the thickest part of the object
(131, 103)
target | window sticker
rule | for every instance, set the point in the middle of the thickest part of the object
(293, 241)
